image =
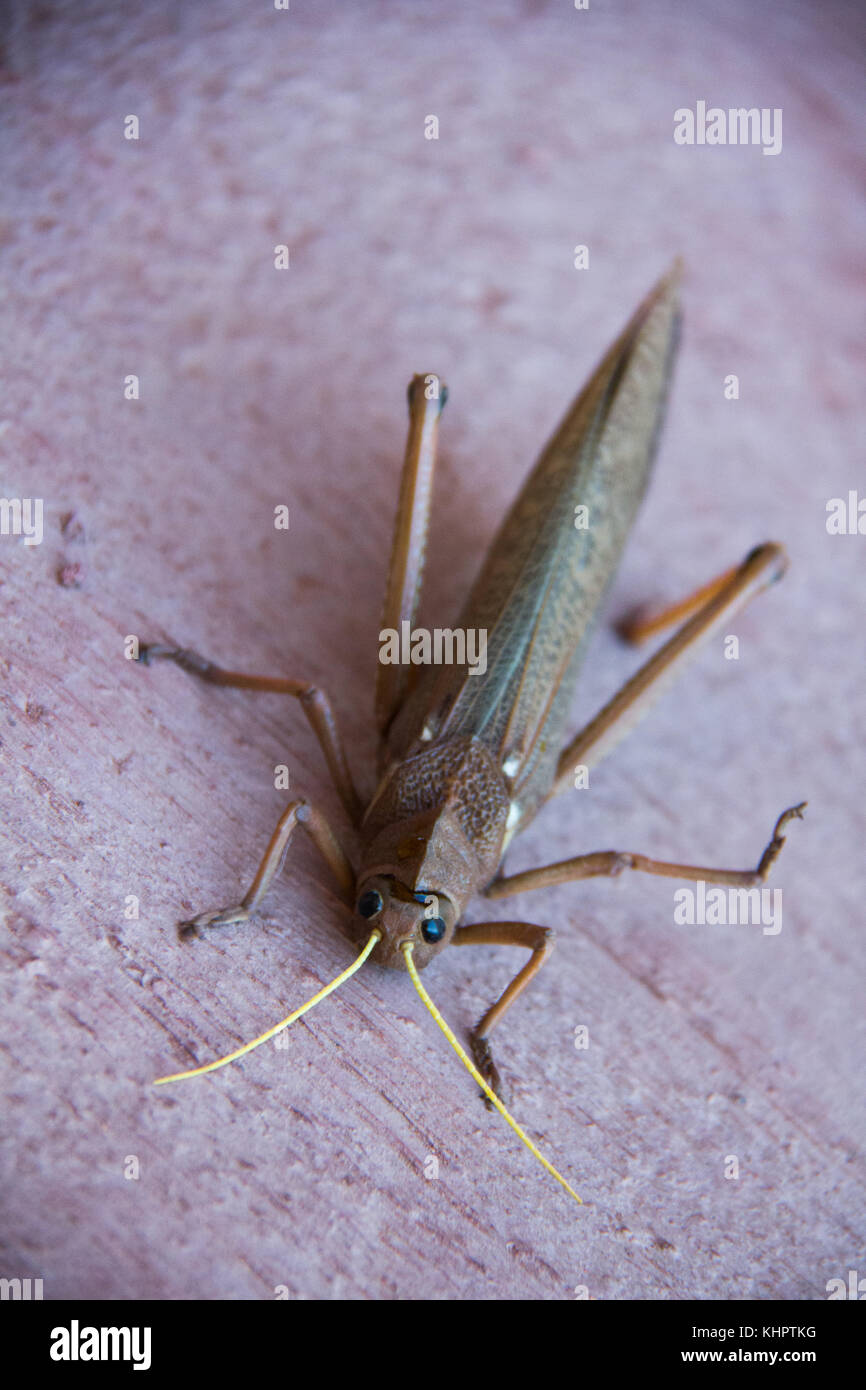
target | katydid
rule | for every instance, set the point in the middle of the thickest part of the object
(467, 759)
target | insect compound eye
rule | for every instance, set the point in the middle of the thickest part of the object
(370, 903)
(433, 929)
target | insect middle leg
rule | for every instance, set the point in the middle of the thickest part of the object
(714, 605)
(540, 941)
(314, 702)
(612, 862)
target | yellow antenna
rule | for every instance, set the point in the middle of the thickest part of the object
(278, 1027)
(473, 1070)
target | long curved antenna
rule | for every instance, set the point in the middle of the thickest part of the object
(278, 1027)
(473, 1070)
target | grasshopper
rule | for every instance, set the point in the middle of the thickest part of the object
(468, 759)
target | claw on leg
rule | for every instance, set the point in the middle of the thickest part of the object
(222, 917)
(483, 1059)
(771, 853)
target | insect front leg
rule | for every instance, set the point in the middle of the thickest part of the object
(612, 862)
(323, 837)
(314, 702)
(540, 941)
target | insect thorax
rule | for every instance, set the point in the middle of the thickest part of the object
(438, 820)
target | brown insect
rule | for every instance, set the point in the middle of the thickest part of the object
(468, 757)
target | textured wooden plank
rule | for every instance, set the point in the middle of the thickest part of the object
(305, 1167)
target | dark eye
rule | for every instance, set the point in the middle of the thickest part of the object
(370, 903)
(433, 929)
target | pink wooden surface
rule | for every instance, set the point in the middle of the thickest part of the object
(304, 1168)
